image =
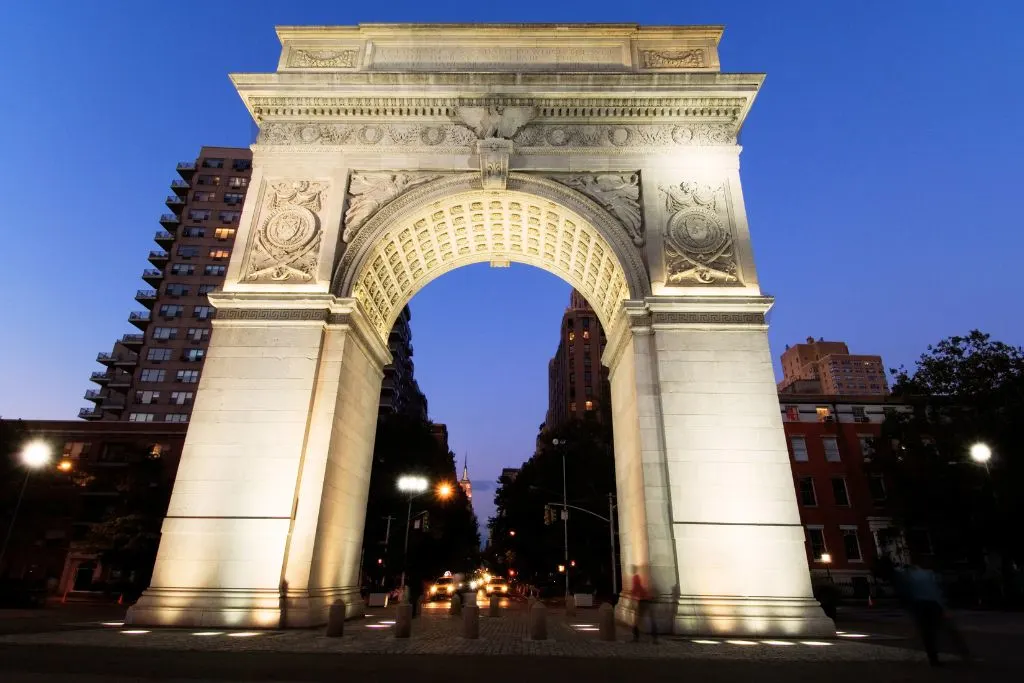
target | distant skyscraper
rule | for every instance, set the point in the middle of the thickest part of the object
(466, 485)
(828, 367)
(577, 382)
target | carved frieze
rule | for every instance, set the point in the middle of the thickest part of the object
(618, 193)
(672, 59)
(495, 121)
(370, 190)
(322, 59)
(285, 245)
(699, 245)
(625, 136)
(365, 134)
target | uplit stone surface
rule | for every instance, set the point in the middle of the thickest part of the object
(390, 155)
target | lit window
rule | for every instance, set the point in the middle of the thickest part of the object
(219, 254)
(209, 180)
(203, 196)
(839, 492)
(176, 417)
(851, 544)
(823, 413)
(572, 336)
(831, 448)
(188, 376)
(572, 406)
(807, 497)
(237, 182)
(140, 417)
(76, 449)
(224, 233)
(799, 445)
(586, 333)
(816, 537)
(147, 397)
(152, 375)
(589, 405)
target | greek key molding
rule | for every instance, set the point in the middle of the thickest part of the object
(706, 318)
(299, 314)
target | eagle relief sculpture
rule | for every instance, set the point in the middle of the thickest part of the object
(286, 243)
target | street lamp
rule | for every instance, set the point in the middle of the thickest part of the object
(34, 455)
(413, 486)
(981, 454)
(565, 512)
(444, 491)
(826, 559)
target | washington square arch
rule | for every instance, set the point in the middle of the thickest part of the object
(389, 155)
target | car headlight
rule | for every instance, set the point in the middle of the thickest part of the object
(433, 589)
(472, 584)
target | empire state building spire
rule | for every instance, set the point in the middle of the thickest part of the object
(464, 482)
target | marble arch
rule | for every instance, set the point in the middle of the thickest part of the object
(390, 154)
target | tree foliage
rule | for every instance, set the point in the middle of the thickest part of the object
(963, 390)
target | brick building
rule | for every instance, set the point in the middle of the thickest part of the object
(577, 382)
(825, 367)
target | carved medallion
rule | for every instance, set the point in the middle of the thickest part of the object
(369, 191)
(286, 243)
(698, 237)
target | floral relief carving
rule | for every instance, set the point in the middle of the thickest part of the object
(286, 242)
(369, 191)
(618, 193)
(625, 136)
(370, 135)
(322, 59)
(672, 59)
(699, 246)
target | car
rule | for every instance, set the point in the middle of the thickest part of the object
(444, 587)
(497, 585)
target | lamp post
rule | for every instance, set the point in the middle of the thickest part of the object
(981, 454)
(565, 512)
(412, 486)
(826, 559)
(34, 455)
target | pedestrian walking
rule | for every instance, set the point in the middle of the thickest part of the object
(922, 597)
(644, 607)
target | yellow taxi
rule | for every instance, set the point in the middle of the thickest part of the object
(496, 586)
(444, 587)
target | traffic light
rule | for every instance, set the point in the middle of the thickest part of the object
(548, 515)
(426, 521)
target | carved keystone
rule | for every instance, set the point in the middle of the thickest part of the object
(494, 154)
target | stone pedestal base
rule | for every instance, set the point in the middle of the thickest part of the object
(734, 617)
(239, 608)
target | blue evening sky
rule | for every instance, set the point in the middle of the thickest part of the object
(881, 171)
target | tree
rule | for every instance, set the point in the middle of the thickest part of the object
(963, 390)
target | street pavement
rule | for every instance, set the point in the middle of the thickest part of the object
(65, 644)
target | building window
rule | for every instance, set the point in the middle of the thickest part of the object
(202, 312)
(859, 415)
(193, 355)
(171, 310)
(219, 253)
(198, 214)
(152, 375)
(572, 336)
(586, 323)
(227, 217)
(816, 537)
(588, 390)
(193, 231)
(792, 413)
(586, 332)
(158, 355)
(589, 405)
(165, 333)
(233, 198)
(176, 417)
(807, 497)
(147, 397)
(851, 544)
(183, 269)
(572, 406)
(181, 398)
(204, 196)
(208, 180)
(241, 164)
(188, 252)
(198, 334)
(224, 233)
(237, 182)
(876, 485)
(839, 492)
(215, 270)
(799, 445)
(867, 448)
(213, 163)
(206, 289)
(176, 289)
(831, 448)
(76, 449)
(824, 414)
(188, 376)
(140, 417)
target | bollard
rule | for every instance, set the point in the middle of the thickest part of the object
(606, 622)
(456, 607)
(494, 609)
(403, 620)
(570, 606)
(538, 621)
(471, 622)
(336, 620)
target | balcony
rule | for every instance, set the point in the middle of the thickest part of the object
(104, 359)
(175, 203)
(93, 395)
(169, 221)
(163, 238)
(100, 377)
(153, 276)
(146, 297)
(112, 403)
(120, 379)
(126, 360)
(90, 414)
(140, 319)
(180, 187)
(186, 169)
(159, 258)
(133, 339)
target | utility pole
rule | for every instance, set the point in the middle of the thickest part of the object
(565, 514)
(387, 537)
(611, 533)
